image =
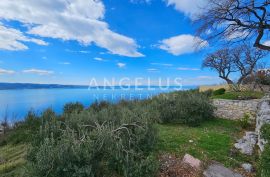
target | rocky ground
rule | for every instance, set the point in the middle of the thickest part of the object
(188, 166)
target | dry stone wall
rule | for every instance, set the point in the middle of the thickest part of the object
(263, 117)
(235, 109)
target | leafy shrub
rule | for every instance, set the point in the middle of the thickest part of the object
(245, 121)
(98, 106)
(113, 141)
(23, 131)
(70, 108)
(265, 156)
(243, 95)
(186, 107)
(265, 130)
(208, 93)
(265, 162)
(220, 91)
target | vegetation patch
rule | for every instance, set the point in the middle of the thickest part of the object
(243, 95)
(123, 139)
(12, 160)
(213, 140)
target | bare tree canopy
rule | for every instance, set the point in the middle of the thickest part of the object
(221, 61)
(236, 20)
(242, 59)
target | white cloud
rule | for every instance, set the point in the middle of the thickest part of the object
(187, 69)
(140, 1)
(80, 20)
(64, 63)
(182, 44)
(190, 8)
(12, 39)
(99, 59)
(4, 71)
(206, 77)
(38, 71)
(162, 64)
(80, 51)
(267, 43)
(152, 70)
(121, 65)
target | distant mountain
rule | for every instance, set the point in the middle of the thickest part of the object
(13, 86)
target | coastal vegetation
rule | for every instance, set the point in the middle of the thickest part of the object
(123, 139)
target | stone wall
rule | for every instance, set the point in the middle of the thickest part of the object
(235, 109)
(263, 117)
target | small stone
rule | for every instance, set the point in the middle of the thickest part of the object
(247, 167)
(192, 161)
(191, 141)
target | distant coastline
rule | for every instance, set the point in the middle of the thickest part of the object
(21, 86)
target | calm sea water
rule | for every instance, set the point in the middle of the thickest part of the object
(16, 103)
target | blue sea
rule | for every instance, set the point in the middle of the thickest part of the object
(16, 103)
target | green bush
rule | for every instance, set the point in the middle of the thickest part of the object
(243, 95)
(23, 131)
(265, 156)
(245, 121)
(265, 162)
(191, 108)
(265, 130)
(70, 108)
(98, 106)
(220, 91)
(113, 141)
(208, 93)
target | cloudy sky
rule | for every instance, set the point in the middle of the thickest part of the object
(72, 41)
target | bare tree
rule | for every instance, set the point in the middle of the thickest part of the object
(222, 62)
(236, 20)
(246, 59)
(242, 59)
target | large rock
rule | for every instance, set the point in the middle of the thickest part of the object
(193, 162)
(218, 170)
(247, 143)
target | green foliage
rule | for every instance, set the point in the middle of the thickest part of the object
(98, 106)
(113, 141)
(265, 162)
(208, 93)
(245, 121)
(12, 160)
(265, 130)
(191, 108)
(70, 108)
(265, 156)
(212, 140)
(243, 95)
(106, 139)
(24, 130)
(220, 91)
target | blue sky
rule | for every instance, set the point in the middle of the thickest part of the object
(73, 41)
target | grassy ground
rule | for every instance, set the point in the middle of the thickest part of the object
(244, 95)
(12, 157)
(211, 141)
